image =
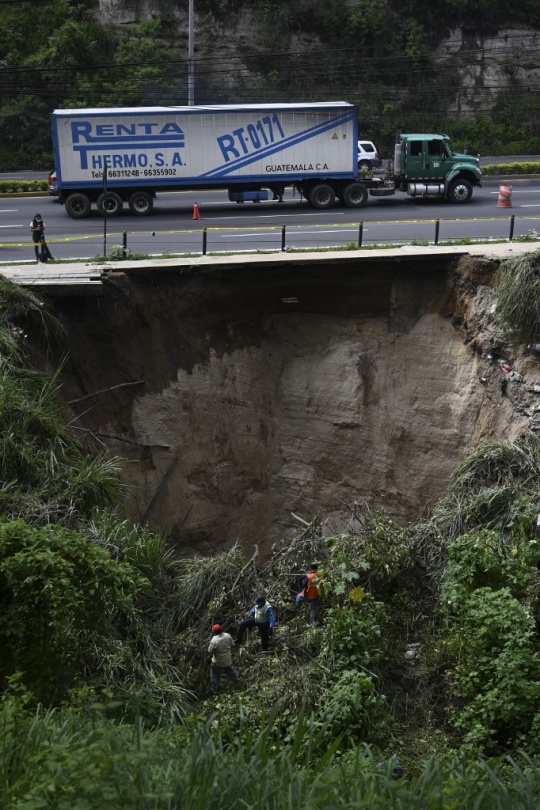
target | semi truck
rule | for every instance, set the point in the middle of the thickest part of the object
(423, 165)
(124, 156)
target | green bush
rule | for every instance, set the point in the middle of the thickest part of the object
(22, 186)
(518, 296)
(489, 560)
(511, 168)
(58, 594)
(497, 678)
(353, 707)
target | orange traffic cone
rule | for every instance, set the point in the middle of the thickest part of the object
(505, 196)
(196, 212)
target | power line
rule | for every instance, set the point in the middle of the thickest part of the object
(317, 54)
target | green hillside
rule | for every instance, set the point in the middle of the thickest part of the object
(381, 56)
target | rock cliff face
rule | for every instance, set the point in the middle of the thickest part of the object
(371, 382)
(488, 65)
(485, 65)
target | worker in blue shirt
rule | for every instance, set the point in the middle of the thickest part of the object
(262, 617)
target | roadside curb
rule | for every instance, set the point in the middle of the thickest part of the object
(24, 193)
(499, 177)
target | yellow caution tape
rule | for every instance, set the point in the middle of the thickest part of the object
(119, 234)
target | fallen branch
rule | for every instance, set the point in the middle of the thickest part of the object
(255, 553)
(175, 531)
(157, 493)
(104, 391)
(132, 441)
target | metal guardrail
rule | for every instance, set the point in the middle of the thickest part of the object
(281, 238)
(204, 240)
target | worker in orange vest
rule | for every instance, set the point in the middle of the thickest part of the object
(311, 591)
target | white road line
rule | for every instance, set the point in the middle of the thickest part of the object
(291, 233)
(276, 216)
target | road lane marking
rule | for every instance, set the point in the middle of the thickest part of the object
(296, 233)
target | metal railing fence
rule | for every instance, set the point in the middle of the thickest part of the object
(207, 240)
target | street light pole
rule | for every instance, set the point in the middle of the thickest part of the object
(105, 172)
(191, 52)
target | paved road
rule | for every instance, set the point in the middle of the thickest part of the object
(232, 227)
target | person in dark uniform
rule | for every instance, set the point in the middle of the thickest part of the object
(262, 617)
(37, 229)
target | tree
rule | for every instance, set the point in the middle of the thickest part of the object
(59, 594)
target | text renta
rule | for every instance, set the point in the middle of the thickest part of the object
(248, 139)
(112, 144)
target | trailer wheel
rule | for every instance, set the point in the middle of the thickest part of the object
(78, 206)
(322, 196)
(141, 203)
(355, 195)
(459, 191)
(109, 203)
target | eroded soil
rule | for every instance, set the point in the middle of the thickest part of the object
(242, 395)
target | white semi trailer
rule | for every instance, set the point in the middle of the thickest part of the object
(248, 150)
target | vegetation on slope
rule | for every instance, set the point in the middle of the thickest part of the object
(427, 640)
(518, 297)
(380, 56)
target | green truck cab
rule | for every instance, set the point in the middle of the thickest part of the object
(425, 166)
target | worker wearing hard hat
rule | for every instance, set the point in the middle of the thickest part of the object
(221, 648)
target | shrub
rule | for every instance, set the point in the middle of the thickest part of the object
(489, 560)
(22, 186)
(58, 593)
(511, 168)
(518, 296)
(497, 677)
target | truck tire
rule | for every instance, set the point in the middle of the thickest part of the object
(109, 203)
(141, 203)
(78, 206)
(355, 195)
(322, 196)
(459, 191)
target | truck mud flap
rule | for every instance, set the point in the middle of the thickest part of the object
(382, 192)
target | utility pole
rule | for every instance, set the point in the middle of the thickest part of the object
(191, 53)
(105, 171)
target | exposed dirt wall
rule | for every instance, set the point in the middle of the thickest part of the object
(370, 383)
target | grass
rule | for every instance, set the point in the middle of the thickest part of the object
(518, 296)
(66, 760)
(530, 236)
(484, 487)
